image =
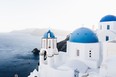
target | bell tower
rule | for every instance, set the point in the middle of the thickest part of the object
(48, 49)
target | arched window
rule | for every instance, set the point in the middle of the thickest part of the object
(44, 43)
(77, 52)
(45, 55)
(53, 44)
(48, 35)
(49, 46)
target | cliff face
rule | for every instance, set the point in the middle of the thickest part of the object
(60, 45)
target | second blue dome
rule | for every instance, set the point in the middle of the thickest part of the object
(108, 18)
(83, 35)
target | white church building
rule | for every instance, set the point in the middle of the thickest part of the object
(89, 53)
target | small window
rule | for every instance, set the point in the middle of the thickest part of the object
(77, 52)
(90, 53)
(108, 27)
(100, 27)
(107, 38)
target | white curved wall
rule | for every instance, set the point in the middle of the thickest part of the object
(92, 61)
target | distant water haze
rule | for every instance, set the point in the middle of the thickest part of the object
(40, 32)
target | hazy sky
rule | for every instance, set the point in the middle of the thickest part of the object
(58, 14)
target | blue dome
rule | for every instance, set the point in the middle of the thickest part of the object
(49, 34)
(83, 35)
(108, 18)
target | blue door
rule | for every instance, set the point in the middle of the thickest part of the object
(76, 73)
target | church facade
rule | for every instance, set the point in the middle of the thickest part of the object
(87, 52)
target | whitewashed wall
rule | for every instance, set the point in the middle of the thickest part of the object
(84, 48)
